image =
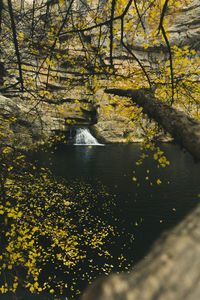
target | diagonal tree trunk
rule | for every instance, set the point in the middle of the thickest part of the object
(171, 269)
(185, 130)
(169, 272)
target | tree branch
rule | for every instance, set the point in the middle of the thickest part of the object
(185, 130)
(132, 54)
(170, 59)
(15, 43)
(111, 30)
(169, 271)
(139, 16)
(1, 9)
(163, 15)
(161, 27)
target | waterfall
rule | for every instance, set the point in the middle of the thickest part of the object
(84, 137)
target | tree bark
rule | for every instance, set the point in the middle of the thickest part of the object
(169, 272)
(185, 130)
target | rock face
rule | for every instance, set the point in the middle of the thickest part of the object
(185, 25)
(184, 30)
(17, 129)
(71, 106)
(25, 123)
(169, 272)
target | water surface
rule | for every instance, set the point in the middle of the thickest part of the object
(104, 192)
(144, 210)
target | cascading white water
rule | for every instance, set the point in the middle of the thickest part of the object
(84, 137)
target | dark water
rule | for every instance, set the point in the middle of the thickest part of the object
(146, 210)
(143, 209)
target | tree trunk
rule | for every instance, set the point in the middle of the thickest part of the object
(171, 271)
(185, 130)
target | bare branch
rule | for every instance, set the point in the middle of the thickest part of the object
(15, 43)
(133, 55)
(171, 62)
(163, 15)
(185, 130)
(138, 13)
(1, 8)
(111, 31)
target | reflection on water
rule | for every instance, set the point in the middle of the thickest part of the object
(90, 219)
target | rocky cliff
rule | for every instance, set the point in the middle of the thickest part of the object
(64, 101)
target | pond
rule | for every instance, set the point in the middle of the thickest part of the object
(137, 202)
(159, 206)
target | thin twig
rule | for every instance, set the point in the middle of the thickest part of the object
(162, 15)
(15, 43)
(139, 16)
(111, 30)
(1, 9)
(33, 20)
(102, 23)
(170, 59)
(133, 55)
